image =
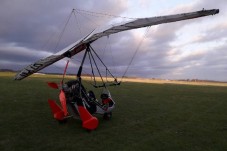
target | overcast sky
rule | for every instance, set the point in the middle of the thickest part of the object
(192, 49)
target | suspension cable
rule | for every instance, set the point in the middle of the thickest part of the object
(102, 62)
(136, 51)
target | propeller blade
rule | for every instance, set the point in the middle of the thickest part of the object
(53, 85)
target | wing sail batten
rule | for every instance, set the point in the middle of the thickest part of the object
(81, 44)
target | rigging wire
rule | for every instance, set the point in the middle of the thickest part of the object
(113, 61)
(84, 12)
(108, 46)
(48, 41)
(85, 16)
(85, 72)
(136, 51)
(63, 30)
(77, 22)
(50, 38)
(104, 50)
(102, 62)
(104, 55)
(98, 14)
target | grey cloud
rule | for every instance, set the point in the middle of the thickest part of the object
(213, 34)
(30, 24)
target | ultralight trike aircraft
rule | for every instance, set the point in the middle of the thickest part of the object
(75, 101)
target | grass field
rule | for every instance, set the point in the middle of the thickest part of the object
(159, 117)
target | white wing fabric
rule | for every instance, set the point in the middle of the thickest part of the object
(96, 34)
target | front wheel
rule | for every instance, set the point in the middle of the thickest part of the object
(107, 116)
(64, 121)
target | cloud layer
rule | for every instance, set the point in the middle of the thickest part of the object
(192, 49)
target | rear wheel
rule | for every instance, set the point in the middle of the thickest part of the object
(107, 116)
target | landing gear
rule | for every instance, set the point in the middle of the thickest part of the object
(64, 121)
(107, 116)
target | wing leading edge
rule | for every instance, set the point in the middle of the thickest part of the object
(81, 44)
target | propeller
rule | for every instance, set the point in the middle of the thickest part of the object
(53, 85)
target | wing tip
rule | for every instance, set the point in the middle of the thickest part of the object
(217, 11)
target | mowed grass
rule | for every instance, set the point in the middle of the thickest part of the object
(159, 117)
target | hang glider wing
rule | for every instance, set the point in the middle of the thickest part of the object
(96, 34)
